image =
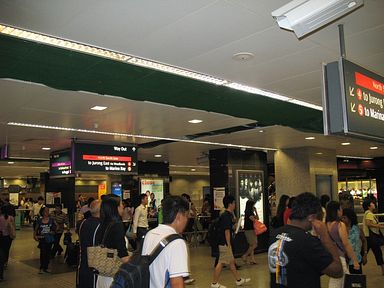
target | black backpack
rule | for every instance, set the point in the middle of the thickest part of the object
(214, 232)
(135, 273)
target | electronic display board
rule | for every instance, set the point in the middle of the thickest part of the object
(353, 101)
(105, 158)
(60, 163)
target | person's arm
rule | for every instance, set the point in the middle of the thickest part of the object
(372, 224)
(334, 269)
(347, 245)
(177, 282)
(228, 237)
(35, 232)
(364, 245)
(136, 219)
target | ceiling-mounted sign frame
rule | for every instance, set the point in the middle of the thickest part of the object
(353, 100)
(107, 158)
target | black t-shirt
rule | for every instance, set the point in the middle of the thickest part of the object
(296, 258)
(115, 237)
(248, 223)
(226, 223)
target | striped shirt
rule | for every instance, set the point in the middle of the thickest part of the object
(60, 219)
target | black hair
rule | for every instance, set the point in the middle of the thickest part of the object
(281, 208)
(186, 196)
(331, 211)
(249, 205)
(58, 205)
(40, 198)
(324, 199)
(290, 201)
(304, 205)
(173, 205)
(41, 212)
(228, 199)
(351, 215)
(5, 211)
(109, 209)
(367, 202)
(90, 200)
(142, 197)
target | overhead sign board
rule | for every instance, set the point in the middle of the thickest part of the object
(105, 158)
(60, 164)
(353, 101)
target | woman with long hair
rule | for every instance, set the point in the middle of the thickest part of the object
(371, 228)
(7, 231)
(250, 215)
(111, 232)
(44, 232)
(278, 220)
(339, 234)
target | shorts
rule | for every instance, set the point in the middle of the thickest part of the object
(251, 237)
(225, 255)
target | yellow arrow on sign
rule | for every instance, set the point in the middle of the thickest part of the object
(353, 107)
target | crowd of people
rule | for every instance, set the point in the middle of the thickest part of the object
(321, 237)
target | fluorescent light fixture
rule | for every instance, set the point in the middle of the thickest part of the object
(306, 16)
(346, 143)
(319, 153)
(353, 157)
(117, 56)
(309, 138)
(158, 155)
(99, 108)
(374, 148)
(29, 125)
(11, 162)
(46, 148)
(195, 121)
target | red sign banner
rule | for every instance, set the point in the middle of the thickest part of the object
(107, 158)
(369, 83)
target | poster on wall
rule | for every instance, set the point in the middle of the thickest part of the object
(52, 198)
(218, 196)
(250, 186)
(155, 186)
(14, 199)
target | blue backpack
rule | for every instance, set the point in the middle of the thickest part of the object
(135, 273)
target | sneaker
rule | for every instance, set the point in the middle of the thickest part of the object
(189, 281)
(41, 271)
(242, 281)
(217, 285)
(47, 271)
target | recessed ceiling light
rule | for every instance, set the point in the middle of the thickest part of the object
(243, 56)
(261, 131)
(309, 138)
(99, 108)
(158, 155)
(11, 162)
(193, 169)
(46, 148)
(319, 153)
(345, 143)
(195, 121)
(373, 147)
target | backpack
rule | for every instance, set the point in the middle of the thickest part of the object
(214, 232)
(135, 273)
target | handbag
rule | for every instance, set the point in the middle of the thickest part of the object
(259, 227)
(129, 234)
(376, 238)
(355, 281)
(105, 261)
(67, 238)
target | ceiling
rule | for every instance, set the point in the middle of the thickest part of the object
(197, 35)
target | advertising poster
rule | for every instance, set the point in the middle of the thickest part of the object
(102, 190)
(250, 186)
(218, 196)
(14, 199)
(52, 198)
(155, 186)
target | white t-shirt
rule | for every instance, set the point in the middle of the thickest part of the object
(171, 262)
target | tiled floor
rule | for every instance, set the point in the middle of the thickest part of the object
(22, 270)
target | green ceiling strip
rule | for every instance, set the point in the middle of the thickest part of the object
(69, 70)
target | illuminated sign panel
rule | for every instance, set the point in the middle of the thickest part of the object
(60, 163)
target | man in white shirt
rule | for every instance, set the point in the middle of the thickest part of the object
(36, 210)
(140, 219)
(169, 268)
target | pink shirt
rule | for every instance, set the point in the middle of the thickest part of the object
(3, 225)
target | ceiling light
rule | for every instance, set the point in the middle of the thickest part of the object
(68, 129)
(243, 56)
(353, 157)
(261, 131)
(193, 169)
(374, 148)
(319, 153)
(195, 121)
(99, 108)
(345, 143)
(46, 148)
(116, 56)
(309, 138)
(11, 162)
(158, 155)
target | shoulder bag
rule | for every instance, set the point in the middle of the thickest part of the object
(259, 227)
(105, 261)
